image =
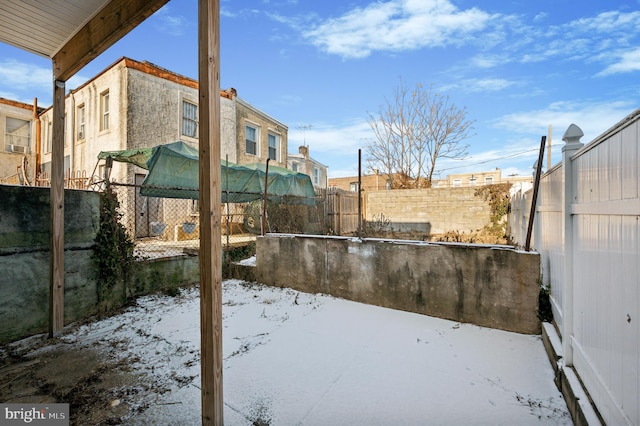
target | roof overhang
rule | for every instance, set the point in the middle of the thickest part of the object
(70, 32)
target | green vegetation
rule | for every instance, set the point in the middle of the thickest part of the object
(499, 199)
(113, 250)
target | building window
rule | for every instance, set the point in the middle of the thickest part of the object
(457, 183)
(251, 136)
(104, 110)
(17, 135)
(189, 119)
(273, 147)
(473, 181)
(488, 180)
(294, 167)
(353, 187)
(435, 184)
(81, 120)
(316, 176)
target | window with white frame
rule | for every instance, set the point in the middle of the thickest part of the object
(189, 119)
(457, 183)
(81, 122)
(316, 176)
(251, 137)
(104, 110)
(353, 187)
(488, 180)
(273, 146)
(473, 181)
(17, 135)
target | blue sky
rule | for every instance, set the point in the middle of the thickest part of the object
(516, 66)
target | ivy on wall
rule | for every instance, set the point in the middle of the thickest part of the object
(499, 199)
(113, 250)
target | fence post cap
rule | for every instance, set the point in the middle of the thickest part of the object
(572, 138)
(573, 134)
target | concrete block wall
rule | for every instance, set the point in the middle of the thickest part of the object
(434, 210)
(491, 286)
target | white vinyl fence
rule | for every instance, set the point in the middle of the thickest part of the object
(589, 244)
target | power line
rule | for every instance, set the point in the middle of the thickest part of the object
(490, 160)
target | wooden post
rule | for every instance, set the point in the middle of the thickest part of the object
(210, 212)
(56, 242)
(36, 118)
(534, 202)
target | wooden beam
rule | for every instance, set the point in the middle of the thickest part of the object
(112, 23)
(56, 243)
(210, 212)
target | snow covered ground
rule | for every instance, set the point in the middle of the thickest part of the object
(292, 358)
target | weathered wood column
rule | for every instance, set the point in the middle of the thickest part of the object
(56, 245)
(210, 212)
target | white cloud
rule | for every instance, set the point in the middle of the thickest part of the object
(588, 39)
(488, 61)
(171, 23)
(592, 118)
(23, 76)
(629, 62)
(607, 22)
(23, 81)
(331, 140)
(333, 145)
(397, 25)
(475, 85)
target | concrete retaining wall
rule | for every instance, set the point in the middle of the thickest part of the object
(492, 286)
(24, 262)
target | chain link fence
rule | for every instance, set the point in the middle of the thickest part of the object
(166, 227)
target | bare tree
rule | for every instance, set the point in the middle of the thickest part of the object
(412, 131)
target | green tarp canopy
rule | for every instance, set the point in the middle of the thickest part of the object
(139, 156)
(174, 173)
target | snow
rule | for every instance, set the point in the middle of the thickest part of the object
(251, 261)
(293, 358)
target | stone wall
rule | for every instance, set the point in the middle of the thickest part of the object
(434, 211)
(492, 286)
